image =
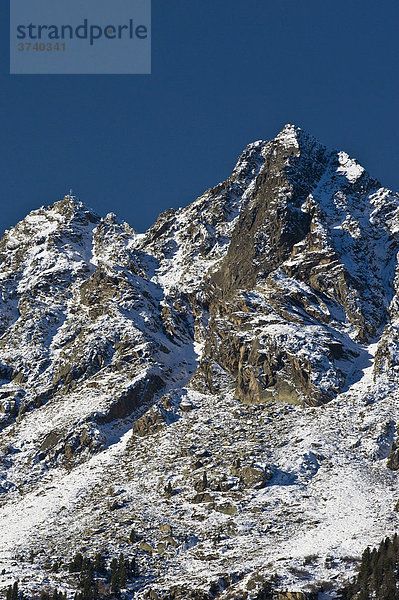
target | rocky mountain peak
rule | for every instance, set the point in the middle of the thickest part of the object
(177, 375)
(291, 136)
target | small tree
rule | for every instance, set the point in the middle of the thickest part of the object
(134, 571)
(14, 593)
(115, 587)
(76, 563)
(122, 572)
(115, 576)
(99, 564)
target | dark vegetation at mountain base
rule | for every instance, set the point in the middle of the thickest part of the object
(97, 581)
(97, 578)
(13, 593)
(378, 575)
(102, 578)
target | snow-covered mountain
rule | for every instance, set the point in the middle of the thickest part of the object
(225, 384)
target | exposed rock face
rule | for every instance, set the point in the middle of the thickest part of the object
(393, 458)
(253, 477)
(151, 422)
(295, 596)
(314, 247)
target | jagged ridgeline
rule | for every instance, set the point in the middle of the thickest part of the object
(225, 383)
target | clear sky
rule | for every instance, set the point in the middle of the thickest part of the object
(225, 73)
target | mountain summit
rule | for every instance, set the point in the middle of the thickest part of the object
(217, 397)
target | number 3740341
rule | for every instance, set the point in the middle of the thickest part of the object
(41, 47)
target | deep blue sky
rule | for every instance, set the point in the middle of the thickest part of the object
(225, 73)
